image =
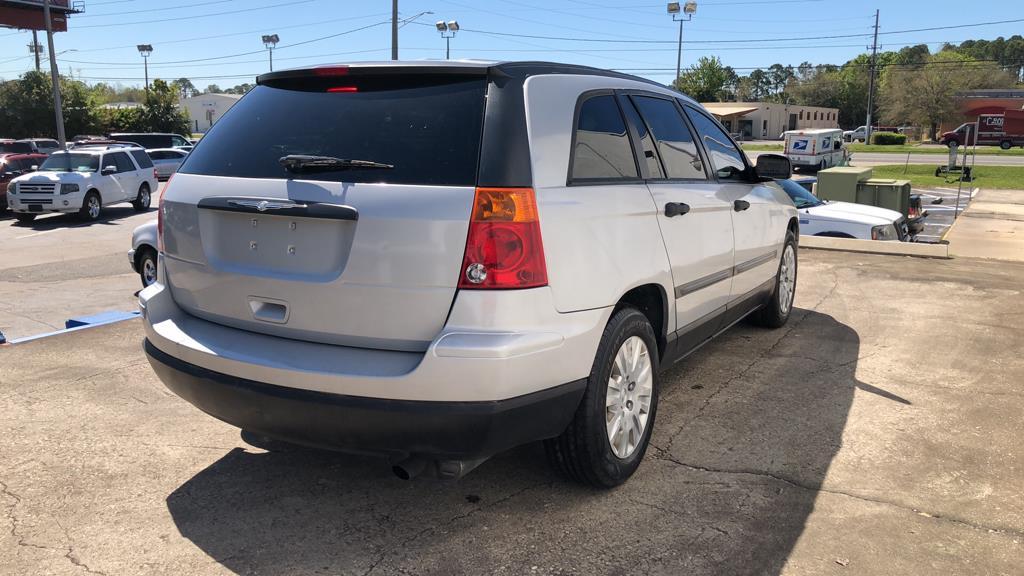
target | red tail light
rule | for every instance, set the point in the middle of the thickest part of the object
(160, 215)
(503, 247)
(343, 89)
(155, 177)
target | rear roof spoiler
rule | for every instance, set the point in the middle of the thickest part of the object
(380, 69)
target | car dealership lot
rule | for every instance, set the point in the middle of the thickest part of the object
(840, 444)
(58, 267)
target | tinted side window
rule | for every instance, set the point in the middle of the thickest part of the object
(178, 141)
(142, 158)
(120, 159)
(602, 149)
(675, 143)
(725, 158)
(646, 142)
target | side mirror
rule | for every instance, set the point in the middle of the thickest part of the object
(774, 166)
(108, 170)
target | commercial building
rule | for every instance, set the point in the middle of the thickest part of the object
(204, 110)
(768, 120)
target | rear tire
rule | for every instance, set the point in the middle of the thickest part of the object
(1006, 145)
(24, 218)
(143, 200)
(776, 310)
(623, 379)
(92, 207)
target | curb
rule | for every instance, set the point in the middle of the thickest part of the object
(920, 250)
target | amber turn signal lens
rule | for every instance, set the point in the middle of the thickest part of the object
(504, 205)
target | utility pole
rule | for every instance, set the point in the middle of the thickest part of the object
(871, 82)
(36, 49)
(394, 29)
(58, 110)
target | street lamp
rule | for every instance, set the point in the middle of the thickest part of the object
(145, 50)
(270, 41)
(447, 30)
(690, 8)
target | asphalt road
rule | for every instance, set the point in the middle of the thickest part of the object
(57, 267)
(841, 444)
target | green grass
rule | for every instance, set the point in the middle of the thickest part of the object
(923, 176)
(913, 149)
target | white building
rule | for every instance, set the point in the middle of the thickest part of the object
(204, 110)
(768, 120)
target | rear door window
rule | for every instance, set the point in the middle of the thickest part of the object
(650, 158)
(727, 161)
(122, 162)
(427, 127)
(675, 142)
(142, 158)
(601, 146)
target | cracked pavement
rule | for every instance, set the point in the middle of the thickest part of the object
(877, 433)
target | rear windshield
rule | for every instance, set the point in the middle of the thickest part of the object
(15, 147)
(428, 129)
(71, 162)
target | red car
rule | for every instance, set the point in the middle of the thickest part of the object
(12, 166)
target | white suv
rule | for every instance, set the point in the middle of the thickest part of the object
(83, 181)
(441, 260)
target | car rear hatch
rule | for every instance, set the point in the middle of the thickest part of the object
(350, 255)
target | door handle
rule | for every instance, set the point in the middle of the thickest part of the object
(740, 205)
(676, 209)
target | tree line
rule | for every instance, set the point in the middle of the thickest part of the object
(914, 86)
(26, 106)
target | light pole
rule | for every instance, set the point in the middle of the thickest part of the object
(270, 41)
(145, 50)
(690, 8)
(447, 31)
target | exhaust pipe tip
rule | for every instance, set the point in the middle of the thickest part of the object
(409, 468)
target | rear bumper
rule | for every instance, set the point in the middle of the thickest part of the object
(494, 346)
(462, 430)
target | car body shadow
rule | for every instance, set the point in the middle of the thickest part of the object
(747, 428)
(51, 221)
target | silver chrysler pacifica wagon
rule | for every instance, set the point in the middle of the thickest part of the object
(438, 261)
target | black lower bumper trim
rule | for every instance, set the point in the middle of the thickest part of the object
(457, 430)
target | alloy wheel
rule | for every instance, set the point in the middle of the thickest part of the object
(628, 397)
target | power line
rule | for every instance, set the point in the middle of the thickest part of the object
(732, 41)
(119, 14)
(218, 36)
(196, 17)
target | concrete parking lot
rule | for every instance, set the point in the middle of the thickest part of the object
(840, 444)
(57, 267)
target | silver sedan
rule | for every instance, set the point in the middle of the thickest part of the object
(166, 161)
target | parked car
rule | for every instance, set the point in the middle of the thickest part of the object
(916, 215)
(844, 219)
(167, 160)
(42, 145)
(817, 149)
(15, 147)
(142, 256)
(379, 258)
(12, 166)
(84, 180)
(152, 140)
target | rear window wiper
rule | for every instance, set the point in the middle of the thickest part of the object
(307, 163)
